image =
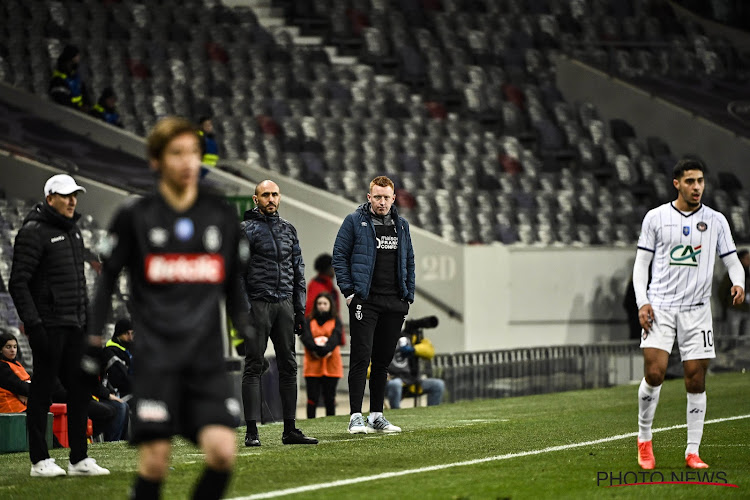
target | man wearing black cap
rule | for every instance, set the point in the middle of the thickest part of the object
(117, 369)
(106, 108)
(48, 287)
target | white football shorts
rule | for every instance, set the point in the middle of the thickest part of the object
(693, 329)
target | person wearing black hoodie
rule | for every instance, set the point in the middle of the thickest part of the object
(105, 108)
(48, 287)
(117, 366)
(66, 87)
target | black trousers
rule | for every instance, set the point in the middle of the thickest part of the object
(58, 354)
(274, 321)
(374, 329)
(326, 386)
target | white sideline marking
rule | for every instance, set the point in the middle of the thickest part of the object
(386, 475)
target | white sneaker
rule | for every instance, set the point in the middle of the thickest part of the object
(357, 424)
(87, 467)
(47, 468)
(380, 424)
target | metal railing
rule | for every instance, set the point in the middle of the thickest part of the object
(536, 370)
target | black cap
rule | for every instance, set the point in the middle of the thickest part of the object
(122, 326)
(69, 52)
(107, 93)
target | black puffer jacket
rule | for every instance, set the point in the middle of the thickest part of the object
(275, 270)
(47, 282)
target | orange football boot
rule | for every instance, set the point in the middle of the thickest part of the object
(646, 455)
(694, 462)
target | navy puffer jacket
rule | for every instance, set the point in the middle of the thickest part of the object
(355, 249)
(47, 281)
(275, 270)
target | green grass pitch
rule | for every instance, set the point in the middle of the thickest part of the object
(439, 437)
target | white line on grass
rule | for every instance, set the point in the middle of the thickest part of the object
(386, 475)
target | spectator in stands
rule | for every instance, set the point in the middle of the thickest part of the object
(411, 368)
(14, 380)
(66, 87)
(209, 146)
(323, 366)
(274, 281)
(106, 108)
(117, 368)
(374, 263)
(736, 315)
(323, 282)
(48, 287)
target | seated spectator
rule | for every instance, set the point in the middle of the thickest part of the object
(117, 367)
(405, 371)
(66, 87)
(323, 367)
(108, 413)
(14, 380)
(209, 146)
(106, 108)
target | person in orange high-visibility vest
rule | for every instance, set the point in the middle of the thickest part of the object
(323, 366)
(14, 380)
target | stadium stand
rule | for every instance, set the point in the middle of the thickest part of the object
(447, 96)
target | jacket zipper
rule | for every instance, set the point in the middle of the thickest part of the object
(278, 257)
(78, 287)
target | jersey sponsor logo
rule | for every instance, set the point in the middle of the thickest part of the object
(184, 229)
(158, 236)
(701, 226)
(57, 238)
(686, 230)
(184, 268)
(387, 243)
(684, 255)
(212, 238)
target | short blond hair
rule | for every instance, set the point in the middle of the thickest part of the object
(382, 181)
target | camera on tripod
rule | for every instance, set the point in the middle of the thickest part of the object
(415, 326)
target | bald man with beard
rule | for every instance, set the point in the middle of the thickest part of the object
(274, 281)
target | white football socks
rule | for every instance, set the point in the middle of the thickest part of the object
(648, 398)
(374, 415)
(696, 415)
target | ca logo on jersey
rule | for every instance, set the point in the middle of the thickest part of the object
(684, 255)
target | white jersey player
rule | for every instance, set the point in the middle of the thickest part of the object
(680, 240)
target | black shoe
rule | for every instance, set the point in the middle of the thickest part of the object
(296, 437)
(252, 440)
